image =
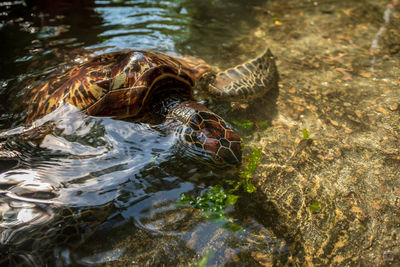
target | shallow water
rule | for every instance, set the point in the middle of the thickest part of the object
(327, 199)
(124, 173)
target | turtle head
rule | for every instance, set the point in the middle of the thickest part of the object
(204, 135)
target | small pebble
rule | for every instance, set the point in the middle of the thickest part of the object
(394, 107)
(382, 110)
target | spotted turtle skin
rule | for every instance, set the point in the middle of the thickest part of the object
(126, 84)
(206, 132)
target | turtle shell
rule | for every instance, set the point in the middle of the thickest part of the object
(117, 84)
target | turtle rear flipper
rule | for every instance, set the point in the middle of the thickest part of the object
(246, 81)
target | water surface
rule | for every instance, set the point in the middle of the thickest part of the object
(126, 175)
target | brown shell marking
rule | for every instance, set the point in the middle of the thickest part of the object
(115, 84)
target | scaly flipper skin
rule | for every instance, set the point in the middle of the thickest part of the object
(246, 81)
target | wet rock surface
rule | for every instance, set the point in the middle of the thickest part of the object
(335, 195)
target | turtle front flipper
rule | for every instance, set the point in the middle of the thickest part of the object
(246, 81)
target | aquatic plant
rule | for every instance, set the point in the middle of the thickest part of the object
(306, 133)
(315, 207)
(215, 200)
(212, 202)
(246, 124)
(153, 159)
(252, 161)
(249, 125)
(203, 261)
(263, 124)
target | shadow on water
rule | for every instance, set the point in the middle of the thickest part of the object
(111, 187)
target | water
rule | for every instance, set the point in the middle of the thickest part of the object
(125, 174)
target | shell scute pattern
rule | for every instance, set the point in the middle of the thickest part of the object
(115, 84)
(128, 71)
(71, 87)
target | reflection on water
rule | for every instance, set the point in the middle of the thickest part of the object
(117, 178)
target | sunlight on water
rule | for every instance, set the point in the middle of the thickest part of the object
(141, 25)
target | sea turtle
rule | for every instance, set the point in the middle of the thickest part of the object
(137, 84)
